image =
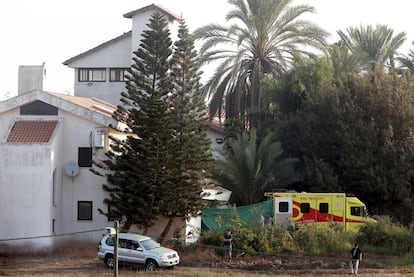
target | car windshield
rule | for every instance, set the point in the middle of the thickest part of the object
(149, 244)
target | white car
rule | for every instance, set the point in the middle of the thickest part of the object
(137, 249)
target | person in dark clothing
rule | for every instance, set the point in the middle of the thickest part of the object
(268, 220)
(228, 244)
(356, 257)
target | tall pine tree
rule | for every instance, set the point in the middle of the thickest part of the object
(161, 167)
(191, 147)
(139, 165)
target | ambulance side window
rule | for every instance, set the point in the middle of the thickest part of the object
(283, 207)
(304, 208)
(356, 211)
(323, 208)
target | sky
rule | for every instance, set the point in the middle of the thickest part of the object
(52, 31)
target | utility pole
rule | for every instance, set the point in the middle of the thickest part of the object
(116, 248)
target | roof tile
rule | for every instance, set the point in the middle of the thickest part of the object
(32, 131)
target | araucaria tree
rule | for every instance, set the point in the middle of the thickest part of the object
(191, 147)
(159, 168)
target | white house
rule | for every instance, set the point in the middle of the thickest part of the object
(48, 142)
(100, 71)
(47, 145)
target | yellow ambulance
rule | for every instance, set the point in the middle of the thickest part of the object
(318, 209)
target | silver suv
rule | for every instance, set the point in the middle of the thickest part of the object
(137, 249)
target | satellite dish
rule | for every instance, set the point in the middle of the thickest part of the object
(72, 168)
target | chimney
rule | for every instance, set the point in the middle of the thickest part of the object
(30, 78)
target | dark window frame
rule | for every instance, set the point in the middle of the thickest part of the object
(82, 215)
(118, 74)
(324, 208)
(91, 75)
(304, 208)
(356, 211)
(85, 156)
(283, 207)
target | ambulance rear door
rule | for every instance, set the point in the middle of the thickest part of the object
(283, 211)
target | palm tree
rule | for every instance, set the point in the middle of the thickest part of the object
(251, 166)
(407, 62)
(378, 44)
(264, 38)
(344, 61)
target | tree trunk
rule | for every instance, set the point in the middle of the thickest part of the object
(166, 229)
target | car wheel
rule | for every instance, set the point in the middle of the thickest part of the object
(151, 265)
(109, 261)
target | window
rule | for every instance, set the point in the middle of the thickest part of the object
(38, 108)
(118, 74)
(283, 207)
(356, 211)
(132, 244)
(85, 156)
(323, 208)
(304, 208)
(92, 74)
(110, 241)
(84, 210)
(123, 243)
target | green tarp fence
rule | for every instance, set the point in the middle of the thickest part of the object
(219, 219)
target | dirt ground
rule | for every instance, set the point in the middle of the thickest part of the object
(200, 264)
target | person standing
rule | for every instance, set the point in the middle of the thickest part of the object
(260, 220)
(356, 257)
(228, 244)
(268, 220)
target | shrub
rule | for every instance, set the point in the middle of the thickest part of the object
(382, 237)
(315, 240)
(274, 239)
(252, 241)
(213, 239)
(386, 237)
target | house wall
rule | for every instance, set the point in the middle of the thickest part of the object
(55, 190)
(216, 145)
(118, 53)
(115, 55)
(26, 181)
(86, 186)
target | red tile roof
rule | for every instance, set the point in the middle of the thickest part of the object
(32, 131)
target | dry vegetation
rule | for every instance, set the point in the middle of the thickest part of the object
(80, 260)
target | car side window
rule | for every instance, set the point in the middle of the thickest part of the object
(123, 243)
(132, 244)
(110, 242)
